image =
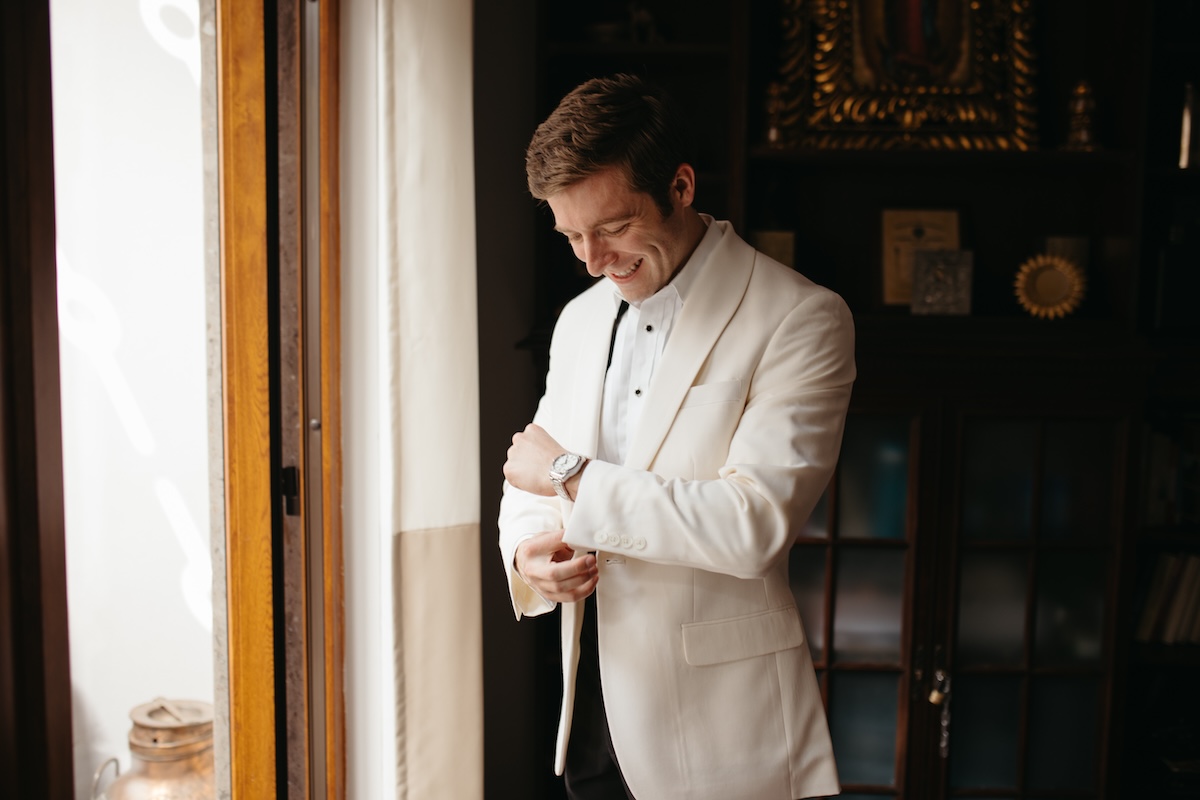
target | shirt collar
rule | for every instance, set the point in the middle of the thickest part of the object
(700, 257)
(686, 277)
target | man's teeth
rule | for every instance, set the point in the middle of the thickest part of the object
(632, 270)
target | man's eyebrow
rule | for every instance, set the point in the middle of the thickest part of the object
(625, 217)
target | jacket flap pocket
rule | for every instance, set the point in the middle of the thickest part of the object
(705, 393)
(742, 637)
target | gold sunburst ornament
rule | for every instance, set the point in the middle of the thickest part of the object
(1050, 286)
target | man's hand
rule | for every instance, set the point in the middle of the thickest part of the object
(529, 459)
(547, 565)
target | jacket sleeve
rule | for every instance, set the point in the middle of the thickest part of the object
(779, 462)
(523, 514)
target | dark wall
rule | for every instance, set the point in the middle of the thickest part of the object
(521, 689)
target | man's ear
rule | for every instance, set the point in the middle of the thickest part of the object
(683, 186)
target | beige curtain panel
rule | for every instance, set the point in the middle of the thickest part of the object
(430, 392)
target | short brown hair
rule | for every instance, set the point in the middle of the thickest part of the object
(620, 121)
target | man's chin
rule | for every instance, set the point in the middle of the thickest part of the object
(629, 293)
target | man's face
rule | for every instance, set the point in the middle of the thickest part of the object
(621, 234)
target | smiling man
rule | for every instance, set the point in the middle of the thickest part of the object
(692, 418)
(622, 234)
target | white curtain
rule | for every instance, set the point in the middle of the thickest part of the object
(414, 649)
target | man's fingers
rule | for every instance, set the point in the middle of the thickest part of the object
(553, 569)
(570, 591)
(562, 554)
(564, 569)
(558, 580)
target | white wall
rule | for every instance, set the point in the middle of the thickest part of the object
(130, 217)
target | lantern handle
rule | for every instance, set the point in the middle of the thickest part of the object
(100, 773)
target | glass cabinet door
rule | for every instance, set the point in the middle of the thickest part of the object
(993, 593)
(850, 573)
(1037, 517)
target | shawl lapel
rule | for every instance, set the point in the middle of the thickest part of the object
(710, 304)
(589, 368)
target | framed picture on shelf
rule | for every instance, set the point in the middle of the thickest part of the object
(942, 282)
(869, 74)
(905, 232)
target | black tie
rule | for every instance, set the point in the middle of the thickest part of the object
(612, 342)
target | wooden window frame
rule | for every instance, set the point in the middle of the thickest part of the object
(284, 572)
(36, 743)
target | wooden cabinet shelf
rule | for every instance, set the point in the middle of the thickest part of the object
(955, 332)
(1066, 160)
(1008, 205)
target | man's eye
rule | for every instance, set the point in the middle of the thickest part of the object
(615, 231)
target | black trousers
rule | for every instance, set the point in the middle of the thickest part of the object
(592, 771)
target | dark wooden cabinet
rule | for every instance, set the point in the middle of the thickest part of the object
(985, 532)
(1161, 691)
(970, 545)
(1009, 202)
(1004, 530)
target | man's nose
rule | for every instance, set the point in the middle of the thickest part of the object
(596, 255)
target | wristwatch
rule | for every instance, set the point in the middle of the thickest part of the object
(562, 468)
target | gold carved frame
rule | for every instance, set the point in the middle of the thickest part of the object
(961, 77)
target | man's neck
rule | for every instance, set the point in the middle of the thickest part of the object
(695, 229)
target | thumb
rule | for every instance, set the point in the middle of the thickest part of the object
(545, 543)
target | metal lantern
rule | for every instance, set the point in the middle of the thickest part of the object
(171, 743)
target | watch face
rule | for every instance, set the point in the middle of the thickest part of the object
(564, 462)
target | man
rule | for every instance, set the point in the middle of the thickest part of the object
(656, 498)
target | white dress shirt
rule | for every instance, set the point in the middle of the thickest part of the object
(641, 337)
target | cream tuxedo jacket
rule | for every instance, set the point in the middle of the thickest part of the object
(708, 682)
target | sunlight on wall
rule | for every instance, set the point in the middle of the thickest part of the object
(130, 218)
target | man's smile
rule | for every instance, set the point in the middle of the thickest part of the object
(629, 272)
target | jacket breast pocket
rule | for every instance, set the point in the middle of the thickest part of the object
(700, 435)
(708, 393)
(735, 638)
